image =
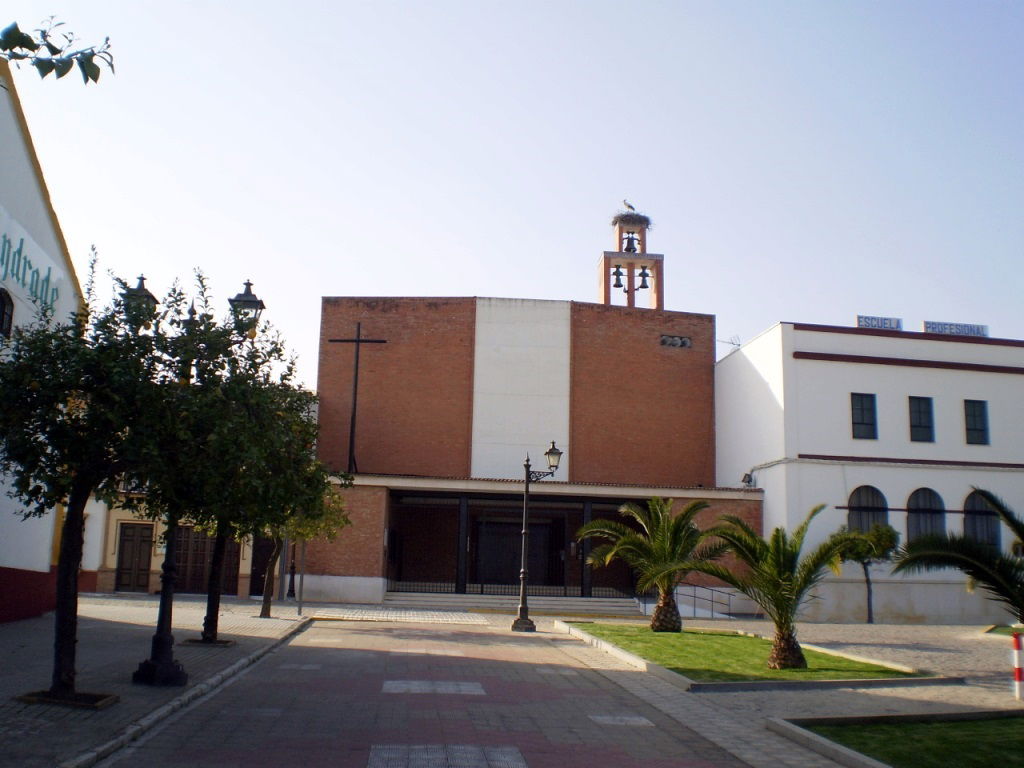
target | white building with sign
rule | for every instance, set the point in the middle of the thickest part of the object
(880, 425)
(34, 268)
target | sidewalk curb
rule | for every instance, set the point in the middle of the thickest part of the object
(679, 681)
(686, 684)
(812, 741)
(157, 716)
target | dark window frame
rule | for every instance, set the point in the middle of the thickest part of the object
(863, 416)
(867, 507)
(981, 523)
(976, 422)
(922, 419)
(6, 313)
(926, 514)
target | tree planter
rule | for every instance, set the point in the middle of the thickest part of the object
(73, 699)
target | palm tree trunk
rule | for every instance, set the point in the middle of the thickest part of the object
(268, 580)
(215, 585)
(867, 581)
(66, 611)
(786, 652)
(666, 613)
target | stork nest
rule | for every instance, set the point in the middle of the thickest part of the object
(632, 219)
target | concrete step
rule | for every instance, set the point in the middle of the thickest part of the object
(509, 603)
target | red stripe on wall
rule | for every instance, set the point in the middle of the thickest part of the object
(24, 594)
(907, 362)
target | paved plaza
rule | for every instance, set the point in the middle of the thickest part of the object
(367, 688)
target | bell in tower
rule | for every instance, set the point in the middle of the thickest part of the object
(642, 271)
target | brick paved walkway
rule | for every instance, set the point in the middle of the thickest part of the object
(362, 694)
(113, 637)
(434, 689)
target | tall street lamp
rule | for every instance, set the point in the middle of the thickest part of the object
(523, 623)
(161, 668)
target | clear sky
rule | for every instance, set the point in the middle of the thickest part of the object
(801, 161)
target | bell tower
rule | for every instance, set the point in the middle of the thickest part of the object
(630, 268)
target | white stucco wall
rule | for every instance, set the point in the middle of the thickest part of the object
(343, 589)
(95, 526)
(816, 420)
(749, 408)
(520, 385)
(25, 220)
(26, 223)
(823, 397)
(24, 544)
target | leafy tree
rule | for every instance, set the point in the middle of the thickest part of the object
(230, 447)
(1000, 574)
(322, 521)
(51, 49)
(877, 545)
(70, 390)
(274, 482)
(662, 552)
(776, 577)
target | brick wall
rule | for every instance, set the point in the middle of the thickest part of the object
(747, 510)
(641, 412)
(415, 403)
(359, 548)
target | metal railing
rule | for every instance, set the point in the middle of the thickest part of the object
(716, 603)
(533, 590)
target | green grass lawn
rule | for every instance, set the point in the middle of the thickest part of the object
(1004, 630)
(720, 656)
(964, 744)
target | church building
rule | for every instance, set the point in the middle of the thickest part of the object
(434, 404)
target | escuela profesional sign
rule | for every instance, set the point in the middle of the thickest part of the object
(26, 270)
(955, 329)
(885, 323)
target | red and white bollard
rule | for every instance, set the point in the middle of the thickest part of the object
(1018, 672)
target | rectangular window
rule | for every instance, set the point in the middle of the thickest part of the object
(922, 426)
(976, 421)
(865, 422)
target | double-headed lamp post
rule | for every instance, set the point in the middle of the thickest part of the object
(161, 668)
(523, 623)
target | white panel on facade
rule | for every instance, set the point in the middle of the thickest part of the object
(520, 385)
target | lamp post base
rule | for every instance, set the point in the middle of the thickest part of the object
(160, 673)
(523, 624)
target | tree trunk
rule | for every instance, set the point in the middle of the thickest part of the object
(268, 579)
(215, 585)
(786, 652)
(66, 612)
(666, 613)
(867, 581)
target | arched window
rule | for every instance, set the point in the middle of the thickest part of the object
(926, 514)
(6, 314)
(980, 521)
(866, 508)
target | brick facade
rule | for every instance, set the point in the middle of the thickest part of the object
(638, 411)
(641, 412)
(415, 404)
(359, 549)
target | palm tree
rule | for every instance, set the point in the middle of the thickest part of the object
(776, 577)
(1001, 575)
(662, 552)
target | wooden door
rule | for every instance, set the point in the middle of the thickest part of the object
(134, 551)
(193, 555)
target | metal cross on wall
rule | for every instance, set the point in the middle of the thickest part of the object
(358, 341)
